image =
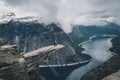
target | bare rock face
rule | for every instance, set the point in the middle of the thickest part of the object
(14, 72)
(114, 76)
(8, 55)
(10, 67)
(29, 36)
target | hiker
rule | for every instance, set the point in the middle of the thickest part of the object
(55, 43)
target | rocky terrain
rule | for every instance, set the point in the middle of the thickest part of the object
(10, 66)
(29, 34)
(8, 55)
(114, 76)
(14, 66)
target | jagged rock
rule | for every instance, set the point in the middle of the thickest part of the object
(10, 67)
(29, 36)
(8, 55)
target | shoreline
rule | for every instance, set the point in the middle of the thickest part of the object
(94, 36)
(84, 52)
(110, 66)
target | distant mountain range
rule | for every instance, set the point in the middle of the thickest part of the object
(29, 34)
(80, 33)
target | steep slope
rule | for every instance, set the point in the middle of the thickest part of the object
(87, 31)
(114, 76)
(111, 65)
(29, 34)
(10, 67)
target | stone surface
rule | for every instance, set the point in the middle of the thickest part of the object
(10, 67)
(114, 76)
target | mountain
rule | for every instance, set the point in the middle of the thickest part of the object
(29, 34)
(10, 66)
(80, 33)
(110, 69)
(6, 17)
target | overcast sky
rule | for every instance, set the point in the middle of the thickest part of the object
(66, 12)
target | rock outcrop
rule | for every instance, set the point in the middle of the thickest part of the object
(29, 36)
(10, 66)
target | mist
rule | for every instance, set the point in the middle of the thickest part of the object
(66, 12)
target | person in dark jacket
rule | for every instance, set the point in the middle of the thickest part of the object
(55, 43)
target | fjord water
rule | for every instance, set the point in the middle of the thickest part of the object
(98, 49)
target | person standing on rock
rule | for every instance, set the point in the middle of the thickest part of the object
(55, 43)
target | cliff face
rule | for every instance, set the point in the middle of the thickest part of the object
(10, 67)
(14, 72)
(109, 67)
(8, 55)
(29, 36)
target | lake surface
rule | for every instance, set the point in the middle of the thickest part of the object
(98, 49)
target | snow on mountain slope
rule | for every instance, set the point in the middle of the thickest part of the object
(6, 17)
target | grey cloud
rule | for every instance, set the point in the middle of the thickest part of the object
(15, 2)
(68, 12)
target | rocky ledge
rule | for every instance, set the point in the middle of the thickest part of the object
(10, 66)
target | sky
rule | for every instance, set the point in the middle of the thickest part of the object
(66, 12)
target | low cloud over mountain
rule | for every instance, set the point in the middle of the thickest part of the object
(66, 12)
